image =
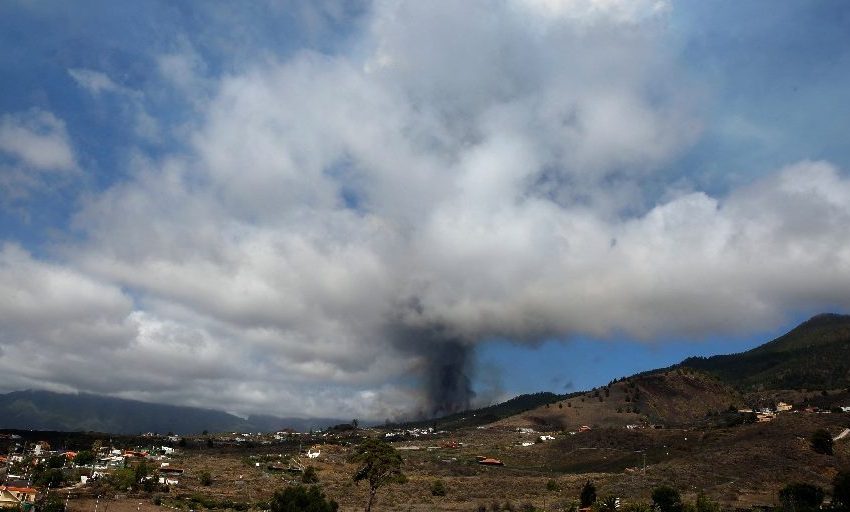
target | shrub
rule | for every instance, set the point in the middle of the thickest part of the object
(800, 496)
(588, 494)
(301, 499)
(49, 478)
(56, 461)
(821, 441)
(667, 499)
(438, 488)
(310, 476)
(551, 486)
(205, 478)
(706, 504)
(84, 458)
(53, 504)
(841, 489)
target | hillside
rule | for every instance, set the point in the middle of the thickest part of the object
(485, 415)
(813, 355)
(44, 410)
(670, 397)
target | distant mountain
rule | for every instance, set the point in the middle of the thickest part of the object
(813, 355)
(44, 410)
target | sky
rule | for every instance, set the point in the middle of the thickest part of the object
(397, 208)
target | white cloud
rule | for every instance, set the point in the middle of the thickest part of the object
(96, 82)
(35, 154)
(37, 140)
(465, 172)
(594, 10)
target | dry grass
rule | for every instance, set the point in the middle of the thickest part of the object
(740, 466)
(675, 397)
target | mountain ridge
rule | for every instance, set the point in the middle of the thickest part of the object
(812, 355)
(47, 410)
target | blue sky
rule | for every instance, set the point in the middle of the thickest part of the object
(310, 207)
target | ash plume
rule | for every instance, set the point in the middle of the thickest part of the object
(446, 370)
(448, 385)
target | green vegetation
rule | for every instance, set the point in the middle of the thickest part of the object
(706, 504)
(205, 478)
(667, 499)
(821, 441)
(53, 477)
(588, 494)
(301, 499)
(310, 476)
(380, 464)
(800, 497)
(56, 461)
(52, 504)
(841, 490)
(84, 458)
(438, 488)
(814, 355)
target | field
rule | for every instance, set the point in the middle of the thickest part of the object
(739, 466)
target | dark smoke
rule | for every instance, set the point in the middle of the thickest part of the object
(448, 385)
(447, 369)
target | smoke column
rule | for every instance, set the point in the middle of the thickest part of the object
(447, 366)
(448, 385)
